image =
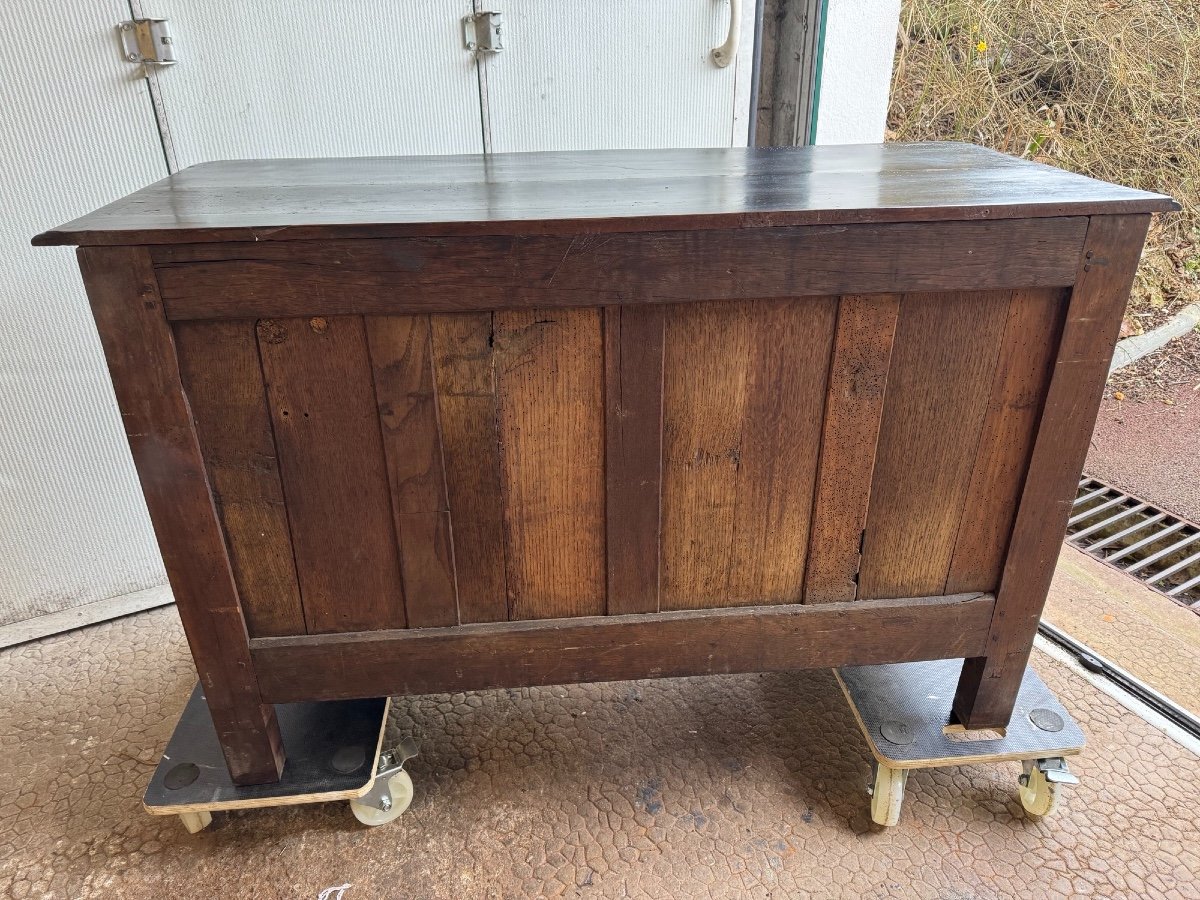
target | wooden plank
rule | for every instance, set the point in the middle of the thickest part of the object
(401, 358)
(466, 397)
(550, 386)
(141, 358)
(780, 446)
(744, 388)
(612, 648)
(223, 380)
(633, 391)
(623, 190)
(420, 275)
(704, 405)
(1018, 390)
(988, 687)
(862, 353)
(319, 384)
(943, 360)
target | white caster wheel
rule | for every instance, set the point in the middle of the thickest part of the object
(387, 808)
(196, 821)
(1039, 785)
(887, 794)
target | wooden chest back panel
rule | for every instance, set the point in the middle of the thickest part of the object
(377, 472)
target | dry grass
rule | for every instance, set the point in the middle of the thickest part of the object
(1109, 89)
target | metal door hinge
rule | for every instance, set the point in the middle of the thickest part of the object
(481, 32)
(147, 41)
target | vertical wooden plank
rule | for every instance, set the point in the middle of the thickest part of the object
(141, 358)
(987, 689)
(943, 360)
(1022, 376)
(401, 359)
(780, 446)
(744, 389)
(862, 352)
(466, 398)
(223, 380)
(319, 385)
(550, 381)
(633, 365)
(706, 357)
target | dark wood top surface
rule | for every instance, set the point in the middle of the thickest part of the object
(594, 191)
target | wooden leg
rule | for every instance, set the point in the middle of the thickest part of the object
(138, 345)
(988, 687)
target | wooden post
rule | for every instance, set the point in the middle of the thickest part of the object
(987, 689)
(137, 341)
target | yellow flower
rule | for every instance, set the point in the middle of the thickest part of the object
(981, 47)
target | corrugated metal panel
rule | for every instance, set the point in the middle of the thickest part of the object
(618, 74)
(78, 133)
(273, 78)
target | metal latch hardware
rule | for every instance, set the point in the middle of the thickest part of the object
(481, 32)
(147, 41)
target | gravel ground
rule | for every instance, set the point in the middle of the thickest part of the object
(1151, 447)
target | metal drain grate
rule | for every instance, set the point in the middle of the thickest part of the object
(1129, 534)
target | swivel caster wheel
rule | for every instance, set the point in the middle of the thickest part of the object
(1039, 785)
(887, 793)
(392, 790)
(388, 807)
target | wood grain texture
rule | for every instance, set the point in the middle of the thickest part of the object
(291, 199)
(1027, 350)
(989, 684)
(401, 358)
(223, 380)
(421, 275)
(943, 360)
(550, 384)
(744, 388)
(862, 352)
(141, 358)
(613, 648)
(319, 384)
(466, 392)
(633, 396)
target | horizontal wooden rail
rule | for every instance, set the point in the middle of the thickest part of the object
(417, 275)
(614, 648)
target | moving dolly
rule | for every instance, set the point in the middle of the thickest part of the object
(335, 748)
(335, 752)
(903, 710)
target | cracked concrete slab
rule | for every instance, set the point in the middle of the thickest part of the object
(737, 786)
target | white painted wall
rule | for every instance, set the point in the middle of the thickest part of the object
(77, 132)
(856, 74)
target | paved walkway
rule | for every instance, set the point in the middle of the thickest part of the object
(746, 786)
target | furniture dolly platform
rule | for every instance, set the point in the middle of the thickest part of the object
(433, 424)
(904, 712)
(336, 752)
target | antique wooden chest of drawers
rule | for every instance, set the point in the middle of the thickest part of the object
(451, 423)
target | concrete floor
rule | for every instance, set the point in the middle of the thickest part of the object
(738, 786)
